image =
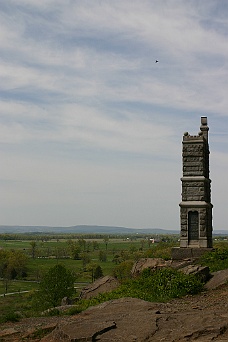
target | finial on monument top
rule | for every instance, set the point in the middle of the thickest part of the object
(204, 127)
(203, 120)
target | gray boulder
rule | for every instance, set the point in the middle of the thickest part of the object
(152, 263)
(66, 301)
(101, 285)
(218, 278)
(202, 272)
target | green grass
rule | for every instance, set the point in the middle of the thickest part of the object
(18, 286)
(37, 267)
(15, 306)
(15, 244)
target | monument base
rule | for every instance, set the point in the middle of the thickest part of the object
(179, 253)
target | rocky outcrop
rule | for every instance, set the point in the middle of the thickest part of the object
(101, 285)
(131, 319)
(202, 318)
(202, 272)
(218, 278)
(152, 263)
(185, 266)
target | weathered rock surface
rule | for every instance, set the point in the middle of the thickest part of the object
(66, 301)
(101, 285)
(202, 272)
(202, 318)
(152, 263)
(185, 266)
(218, 278)
(131, 319)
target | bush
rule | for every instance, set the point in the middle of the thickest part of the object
(155, 286)
(217, 259)
(161, 250)
(162, 285)
(123, 270)
(10, 317)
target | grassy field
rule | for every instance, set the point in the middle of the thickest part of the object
(19, 286)
(56, 251)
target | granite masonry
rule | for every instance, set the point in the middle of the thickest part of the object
(195, 207)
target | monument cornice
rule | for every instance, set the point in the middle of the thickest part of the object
(195, 178)
(195, 204)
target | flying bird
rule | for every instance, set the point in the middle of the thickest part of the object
(156, 61)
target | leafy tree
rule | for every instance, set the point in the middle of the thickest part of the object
(74, 249)
(59, 252)
(95, 245)
(17, 262)
(102, 256)
(142, 243)
(117, 259)
(12, 265)
(85, 259)
(106, 240)
(88, 246)
(91, 268)
(56, 284)
(123, 270)
(33, 245)
(133, 249)
(75, 252)
(82, 243)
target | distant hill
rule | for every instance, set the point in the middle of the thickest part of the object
(220, 232)
(85, 229)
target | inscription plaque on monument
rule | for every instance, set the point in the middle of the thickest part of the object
(193, 226)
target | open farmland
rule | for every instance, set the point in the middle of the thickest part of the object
(43, 252)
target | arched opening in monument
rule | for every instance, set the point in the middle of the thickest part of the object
(193, 226)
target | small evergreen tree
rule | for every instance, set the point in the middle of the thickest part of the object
(98, 273)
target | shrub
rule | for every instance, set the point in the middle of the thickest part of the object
(11, 317)
(161, 250)
(159, 285)
(123, 270)
(216, 259)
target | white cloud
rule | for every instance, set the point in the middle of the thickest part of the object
(80, 88)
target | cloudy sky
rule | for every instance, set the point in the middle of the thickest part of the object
(91, 127)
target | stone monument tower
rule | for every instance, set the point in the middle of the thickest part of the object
(195, 207)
